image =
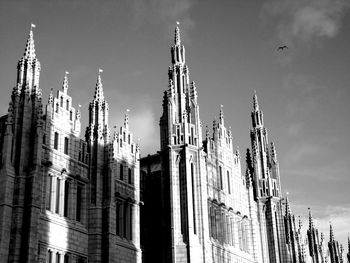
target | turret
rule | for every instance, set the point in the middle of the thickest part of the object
(98, 115)
(180, 123)
(333, 247)
(264, 157)
(26, 104)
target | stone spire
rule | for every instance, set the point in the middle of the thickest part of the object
(65, 82)
(177, 38)
(28, 70)
(311, 221)
(50, 101)
(273, 151)
(288, 210)
(221, 117)
(29, 52)
(331, 234)
(99, 88)
(255, 102)
(126, 119)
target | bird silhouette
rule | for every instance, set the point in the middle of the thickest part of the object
(282, 47)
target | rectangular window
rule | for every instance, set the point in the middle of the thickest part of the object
(220, 178)
(66, 258)
(66, 198)
(70, 115)
(130, 222)
(117, 215)
(79, 199)
(67, 104)
(55, 143)
(66, 145)
(58, 190)
(126, 221)
(49, 192)
(193, 198)
(192, 135)
(121, 176)
(228, 182)
(129, 176)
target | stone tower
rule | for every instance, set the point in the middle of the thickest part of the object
(113, 210)
(181, 143)
(20, 162)
(267, 189)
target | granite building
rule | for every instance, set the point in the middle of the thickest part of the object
(69, 198)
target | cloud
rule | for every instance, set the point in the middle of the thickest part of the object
(142, 118)
(305, 21)
(164, 13)
(144, 125)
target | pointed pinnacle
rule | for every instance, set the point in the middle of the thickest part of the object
(221, 114)
(29, 52)
(207, 131)
(311, 221)
(237, 151)
(177, 38)
(331, 234)
(65, 82)
(288, 211)
(126, 119)
(50, 97)
(99, 87)
(255, 102)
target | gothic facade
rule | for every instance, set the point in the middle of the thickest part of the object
(64, 199)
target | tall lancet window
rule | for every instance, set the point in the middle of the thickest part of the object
(193, 198)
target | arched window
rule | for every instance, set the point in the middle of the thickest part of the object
(49, 256)
(58, 257)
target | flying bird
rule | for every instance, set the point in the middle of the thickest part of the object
(282, 47)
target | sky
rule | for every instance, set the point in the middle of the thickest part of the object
(231, 50)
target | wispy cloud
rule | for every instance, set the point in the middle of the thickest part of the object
(163, 12)
(142, 119)
(305, 21)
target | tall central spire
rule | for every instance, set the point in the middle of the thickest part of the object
(178, 50)
(255, 102)
(29, 52)
(177, 38)
(311, 221)
(99, 87)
